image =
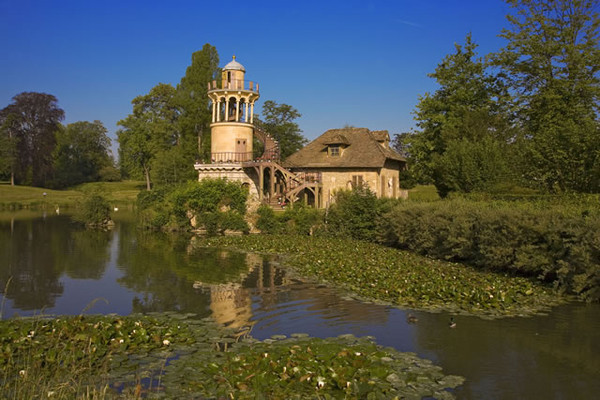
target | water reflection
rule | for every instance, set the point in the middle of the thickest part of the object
(60, 268)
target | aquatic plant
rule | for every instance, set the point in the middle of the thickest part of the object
(303, 368)
(378, 273)
(183, 357)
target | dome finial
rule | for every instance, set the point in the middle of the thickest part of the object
(234, 57)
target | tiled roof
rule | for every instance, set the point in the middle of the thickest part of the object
(361, 150)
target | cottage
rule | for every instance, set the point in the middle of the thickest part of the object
(344, 158)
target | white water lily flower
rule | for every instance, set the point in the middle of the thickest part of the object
(320, 382)
(23, 373)
(166, 342)
(121, 340)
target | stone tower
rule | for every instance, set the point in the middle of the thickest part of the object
(232, 115)
(232, 128)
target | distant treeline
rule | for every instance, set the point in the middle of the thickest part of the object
(526, 115)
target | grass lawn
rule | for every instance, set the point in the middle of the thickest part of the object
(117, 193)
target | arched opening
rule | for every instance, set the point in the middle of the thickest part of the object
(233, 105)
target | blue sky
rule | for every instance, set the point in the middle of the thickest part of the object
(360, 63)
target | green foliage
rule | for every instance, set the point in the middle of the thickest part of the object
(150, 130)
(555, 243)
(300, 219)
(95, 211)
(376, 272)
(29, 126)
(470, 106)
(307, 368)
(353, 214)
(196, 116)
(173, 166)
(88, 356)
(267, 221)
(181, 357)
(278, 121)
(82, 152)
(551, 64)
(109, 173)
(297, 219)
(216, 204)
(471, 166)
(169, 127)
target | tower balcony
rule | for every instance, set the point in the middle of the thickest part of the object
(233, 85)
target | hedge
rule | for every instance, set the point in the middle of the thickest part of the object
(558, 245)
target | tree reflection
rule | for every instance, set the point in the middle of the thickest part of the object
(89, 253)
(29, 250)
(170, 274)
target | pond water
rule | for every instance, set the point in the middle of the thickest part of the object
(55, 267)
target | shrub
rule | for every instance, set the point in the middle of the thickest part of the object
(109, 174)
(216, 204)
(95, 211)
(267, 220)
(300, 219)
(555, 244)
(353, 214)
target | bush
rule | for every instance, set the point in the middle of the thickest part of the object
(353, 214)
(267, 220)
(555, 244)
(95, 211)
(109, 174)
(471, 166)
(216, 204)
(300, 219)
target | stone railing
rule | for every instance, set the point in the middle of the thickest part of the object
(236, 84)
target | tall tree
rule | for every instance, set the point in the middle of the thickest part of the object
(192, 97)
(552, 63)
(150, 129)
(8, 146)
(278, 121)
(82, 151)
(468, 106)
(33, 119)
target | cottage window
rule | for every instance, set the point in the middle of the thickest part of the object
(357, 181)
(334, 150)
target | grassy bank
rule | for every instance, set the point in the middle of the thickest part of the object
(378, 273)
(117, 193)
(176, 356)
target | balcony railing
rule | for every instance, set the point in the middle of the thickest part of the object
(230, 157)
(233, 157)
(235, 84)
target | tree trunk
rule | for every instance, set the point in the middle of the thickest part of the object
(147, 174)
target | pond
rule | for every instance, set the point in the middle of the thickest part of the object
(55, 267)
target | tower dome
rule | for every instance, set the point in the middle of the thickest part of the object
(233, 65)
